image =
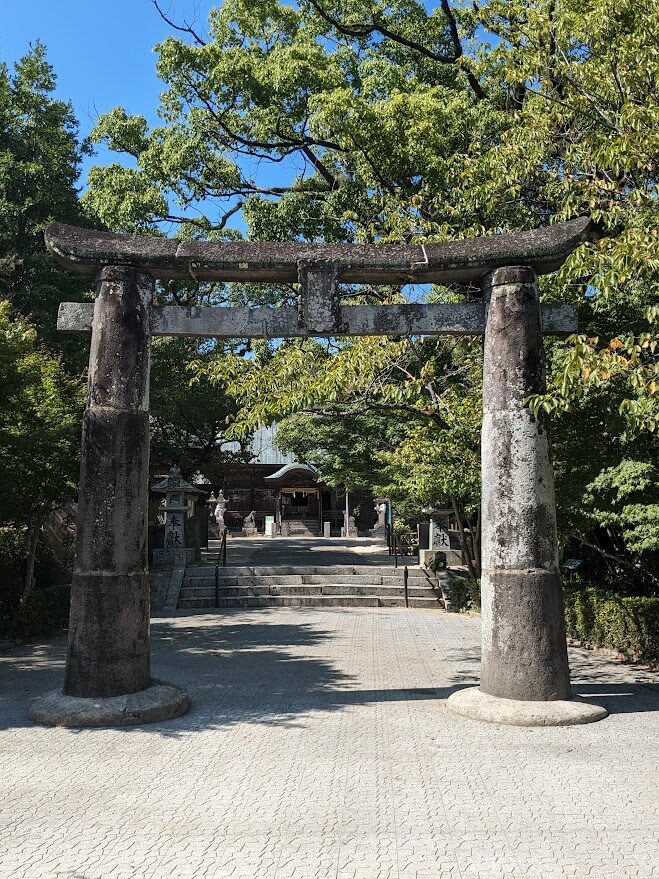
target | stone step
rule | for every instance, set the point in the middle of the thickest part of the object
(230, 591)
(311, 570)
(310, 580)
(300, 528)
(366, 579)
(357, 579)
(437, 603)
(208, 591)
(244, 580)
(359, 589)
(281, 601)
(308, 601)
(208, 577)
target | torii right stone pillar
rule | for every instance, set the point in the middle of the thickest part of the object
(525, 678)
(108, 670)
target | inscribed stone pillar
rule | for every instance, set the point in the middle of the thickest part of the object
(524, 647)
(108, 653)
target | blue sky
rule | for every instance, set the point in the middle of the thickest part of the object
(101, 50)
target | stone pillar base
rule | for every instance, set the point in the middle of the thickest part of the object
(160, 701)
(477, 705)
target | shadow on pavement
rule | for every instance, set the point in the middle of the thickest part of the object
(238, 671)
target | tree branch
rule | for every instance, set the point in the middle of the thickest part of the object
(457, 47)
(363, 30)
(461, 537)
(185, 28)
(617, 559)
(370, 404)
(327, 176)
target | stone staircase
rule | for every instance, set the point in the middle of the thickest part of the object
(330, 586)
(299, 528)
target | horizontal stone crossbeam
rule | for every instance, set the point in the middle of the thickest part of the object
(410, 319)
(544, 250)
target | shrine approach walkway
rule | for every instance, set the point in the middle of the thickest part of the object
(260, 551)
(319, 746)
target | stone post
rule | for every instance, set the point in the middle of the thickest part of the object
(525, 677)
(108, 652)
(109, 627)
(524, 646)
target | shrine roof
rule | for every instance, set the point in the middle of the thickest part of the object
(175, 482)
(289, 468)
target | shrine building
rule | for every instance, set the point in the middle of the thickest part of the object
(276, 484)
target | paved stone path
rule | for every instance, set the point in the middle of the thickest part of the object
(319, 746)
(312, 551)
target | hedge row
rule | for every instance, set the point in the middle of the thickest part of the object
(628, 625)
(46, 611)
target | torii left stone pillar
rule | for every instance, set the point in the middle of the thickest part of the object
(108, 670)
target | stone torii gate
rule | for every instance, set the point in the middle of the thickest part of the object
(525, 676)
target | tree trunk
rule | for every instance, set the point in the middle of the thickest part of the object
(461, 537)
(35, 527)
(476, 541)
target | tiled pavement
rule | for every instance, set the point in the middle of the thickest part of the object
(319, 746)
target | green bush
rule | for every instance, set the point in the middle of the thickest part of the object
(463, 593)
(629, 625)
(44, 612)
(12, 566)
(585, 614)
(626, 624)
(474, 587)
(47, 608)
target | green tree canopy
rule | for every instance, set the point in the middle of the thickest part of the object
(40, 158)
(188, 421)
(358, 120)
(40, 414)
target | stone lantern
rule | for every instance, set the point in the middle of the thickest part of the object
(179, 503)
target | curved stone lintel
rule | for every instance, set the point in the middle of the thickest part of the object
(543, 249)
(160, 701)
(475, 704)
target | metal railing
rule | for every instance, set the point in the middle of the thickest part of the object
(221, 558)
(397, 547)
(223, 550)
